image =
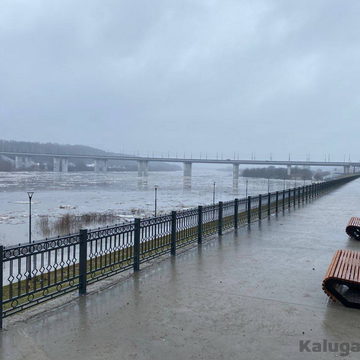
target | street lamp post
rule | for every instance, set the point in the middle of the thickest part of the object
(268, 185)
(246, 187)
(28, 258)
(156, 189)
(214, 194)
(214, 191)
(30, 195)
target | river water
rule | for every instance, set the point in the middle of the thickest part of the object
(56, 194)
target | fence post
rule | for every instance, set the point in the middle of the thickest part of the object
(83, 261)
(1, 284)
(303, 194)
(220, 223)
(277, 202)
(200, 223)
(294, 197)
(289, 200)
(269, 205)
(137, 245)
(260, 204)
(173, 233)
(283, 203)
(249, 210)
(298, 195)
(236, 211)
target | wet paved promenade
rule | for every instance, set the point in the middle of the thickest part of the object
(250, 295)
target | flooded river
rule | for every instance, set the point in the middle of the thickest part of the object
(118, 193)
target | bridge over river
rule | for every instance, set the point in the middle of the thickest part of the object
(254, 293)
(61, 163)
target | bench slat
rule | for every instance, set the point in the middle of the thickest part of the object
(353, 228)
(344, 269)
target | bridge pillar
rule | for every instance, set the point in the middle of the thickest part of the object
(146, 169)
(19, 162)
(289, 170)
(97, 166)
(187, 175)
(143, 170)
(56, 162)
(28, 162)
(64, 165)
(346, 169)
(100, 165)
(235, 178)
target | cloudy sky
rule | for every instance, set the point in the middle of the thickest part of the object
(226, 76)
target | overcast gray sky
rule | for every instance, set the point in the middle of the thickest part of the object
(225, 76)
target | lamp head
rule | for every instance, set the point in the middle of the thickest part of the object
(30, 194)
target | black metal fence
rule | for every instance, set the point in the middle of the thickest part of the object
(33, 273)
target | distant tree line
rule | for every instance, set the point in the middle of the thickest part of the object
(48, 148)
(46, 163)
(273, 172)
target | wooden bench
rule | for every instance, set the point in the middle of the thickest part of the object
(342, 280)
(353, 228)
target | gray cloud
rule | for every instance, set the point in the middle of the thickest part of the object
(212, 76)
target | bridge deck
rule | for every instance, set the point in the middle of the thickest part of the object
(253, 295)
(200, 160)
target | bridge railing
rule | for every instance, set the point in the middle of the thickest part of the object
(33, 273)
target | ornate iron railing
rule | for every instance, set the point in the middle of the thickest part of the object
(33, 273)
